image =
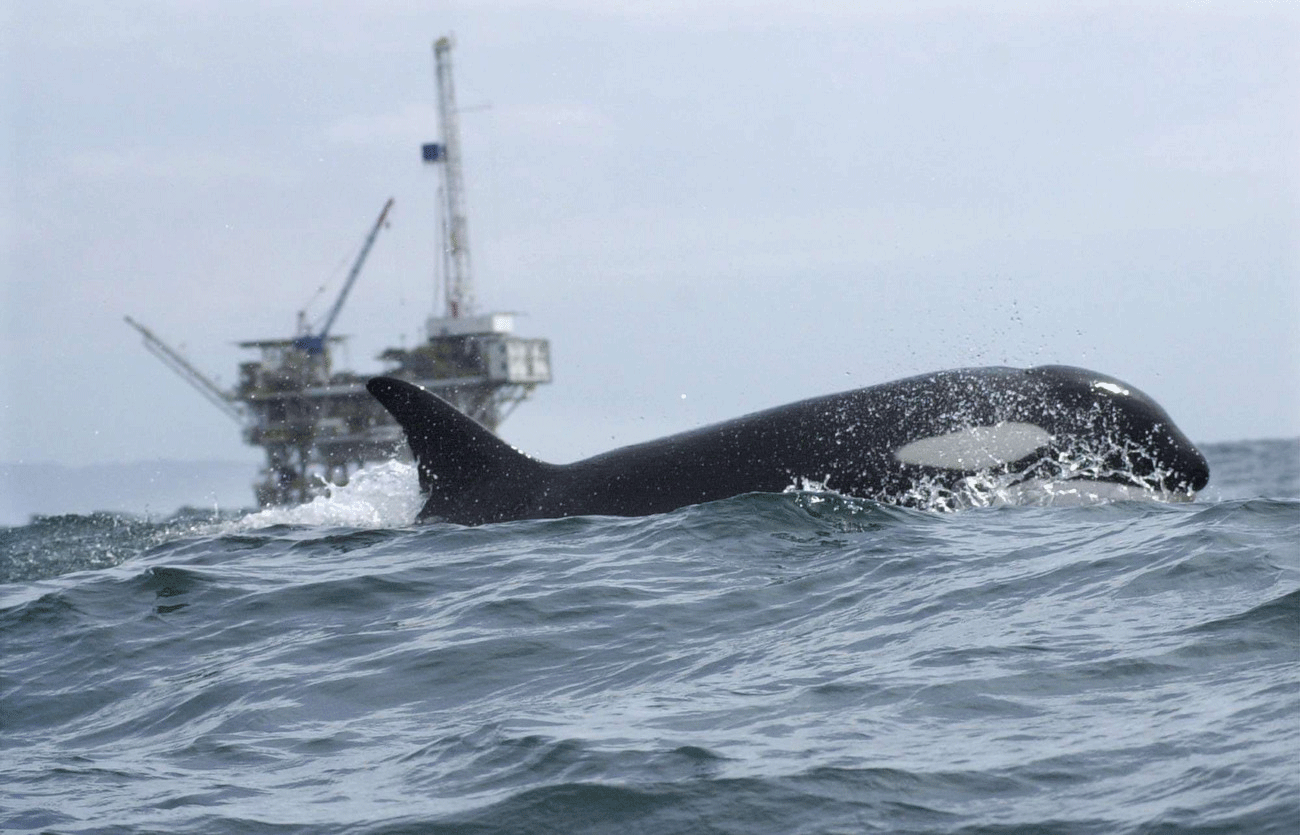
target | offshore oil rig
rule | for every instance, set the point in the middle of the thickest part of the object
(318, 426)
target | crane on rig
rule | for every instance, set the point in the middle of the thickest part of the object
(315, 343)
(312, 345)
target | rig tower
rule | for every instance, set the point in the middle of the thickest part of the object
(470, 359)
(458, 282)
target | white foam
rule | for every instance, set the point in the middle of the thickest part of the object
(1006, 489)
(384, 495)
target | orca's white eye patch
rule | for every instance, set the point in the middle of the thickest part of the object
(975, 447)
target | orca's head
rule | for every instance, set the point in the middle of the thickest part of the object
(1126, 432)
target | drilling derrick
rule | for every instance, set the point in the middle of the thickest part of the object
(459, 285)
(472, 360)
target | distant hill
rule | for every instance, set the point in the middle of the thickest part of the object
(146, 488)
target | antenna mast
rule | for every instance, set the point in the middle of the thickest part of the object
(459, 284)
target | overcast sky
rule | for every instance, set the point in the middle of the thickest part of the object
(708, 208)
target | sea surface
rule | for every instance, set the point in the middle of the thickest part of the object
(772, 663)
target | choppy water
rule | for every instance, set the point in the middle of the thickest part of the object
(790, 663)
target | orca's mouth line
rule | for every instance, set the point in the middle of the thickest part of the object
(1118, 479)
(1082, 489)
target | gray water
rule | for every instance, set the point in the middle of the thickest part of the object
(766, 664)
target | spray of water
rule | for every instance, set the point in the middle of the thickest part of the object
(384, 495)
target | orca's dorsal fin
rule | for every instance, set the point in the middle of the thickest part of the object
(464, 468)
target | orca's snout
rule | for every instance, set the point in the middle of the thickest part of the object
(1163, 452)
(1175, 460)
(1195, 469)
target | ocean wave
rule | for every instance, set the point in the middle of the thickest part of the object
(768, 663)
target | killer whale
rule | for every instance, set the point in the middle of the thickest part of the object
(1050, 422)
